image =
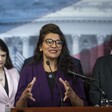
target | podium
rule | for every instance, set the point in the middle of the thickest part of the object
(63, 109)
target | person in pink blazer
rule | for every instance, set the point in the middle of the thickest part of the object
(9, 78)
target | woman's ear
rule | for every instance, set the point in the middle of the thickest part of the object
(40, 49)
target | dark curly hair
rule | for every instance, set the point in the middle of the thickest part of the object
(65, 60)
(3, 47)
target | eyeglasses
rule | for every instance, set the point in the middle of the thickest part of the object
(50, 42)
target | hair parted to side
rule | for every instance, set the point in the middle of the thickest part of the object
(3, 47)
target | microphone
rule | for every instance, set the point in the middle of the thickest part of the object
(103, 102)
(48, 63)
(82, 76)
(101, 91)
(91, 81)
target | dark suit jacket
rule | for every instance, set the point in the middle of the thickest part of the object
(102, 72)
(27, 62)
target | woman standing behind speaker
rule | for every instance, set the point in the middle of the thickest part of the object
(9, 78)
(45, 79)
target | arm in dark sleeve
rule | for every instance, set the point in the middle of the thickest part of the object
(79, 86)
(94, 93)
(23, 82)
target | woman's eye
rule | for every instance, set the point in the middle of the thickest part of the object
(59, 42)
(49, 41)
(3, 55)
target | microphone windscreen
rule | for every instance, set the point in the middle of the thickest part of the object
(47, 62)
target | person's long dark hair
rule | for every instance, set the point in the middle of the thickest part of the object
(4, 48)
(65, 60)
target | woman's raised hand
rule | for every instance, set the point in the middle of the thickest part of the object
(27, 92)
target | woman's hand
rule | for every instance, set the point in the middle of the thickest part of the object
(27, 92)
(70, 93)
(22, 102)
(68, 90)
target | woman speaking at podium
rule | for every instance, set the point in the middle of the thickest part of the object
(44, 80)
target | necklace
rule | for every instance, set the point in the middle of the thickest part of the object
(50, 75)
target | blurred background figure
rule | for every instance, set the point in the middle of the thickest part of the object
(102, 72)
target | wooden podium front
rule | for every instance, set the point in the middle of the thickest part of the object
(63, 109)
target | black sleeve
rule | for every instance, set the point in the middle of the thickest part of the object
(94, 93)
